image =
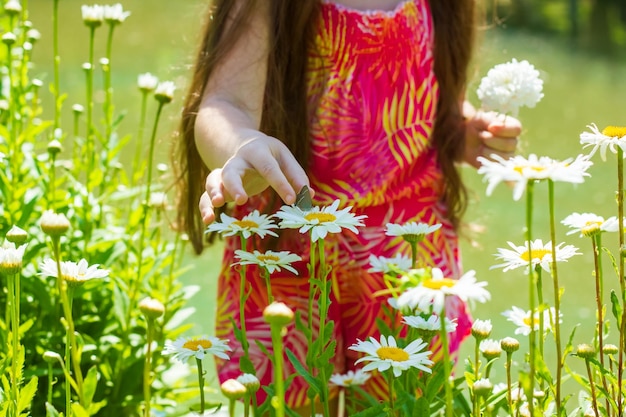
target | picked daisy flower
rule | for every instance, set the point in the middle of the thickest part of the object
(540, 254)
(184, 348)
(521, 318)
(75, 274)
(350, 378)
(386, 355)
(611, 137)
(509, 86)
(431, 293)
(589, 224)
(319, 220)
(520, 170)
(390, 265)
(412, 232)
(252, 223)
(270, 260)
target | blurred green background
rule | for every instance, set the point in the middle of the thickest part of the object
(585, 82)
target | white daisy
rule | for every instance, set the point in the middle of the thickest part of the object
(411, 231)
(92, 15)
(589, 224)
(184, 348)
(481, 329)
(147, 81)
(431, 324)
(541, 255)
(611, 137)
(521, 319)
(350, 378)
(390, 265)
(319, 220)
(509, 86)
(11, 258)
(520, 170)
(164, 91)
(271, 261)
(430, 294)
(73, 273)
(252, 223)
(386, 354)
(115, 14)
(490, 348)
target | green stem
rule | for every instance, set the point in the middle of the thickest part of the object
(531, 292)
(324, 304)
(137, 161)
(413, 254)
(243, 297)
(201, 385)
(620, 222)
(392, 403)
(447, 369)
(52, 196)
(15, 341)
(474, 397)
(90, 145)
(310, 357)
(597, 244)
(147, 368)
(540, 307)
(509, 356)
(50, 384)
(57, 61)
(592, 386)
(268, 286)
(277, 344)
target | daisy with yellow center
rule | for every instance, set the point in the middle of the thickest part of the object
(429, 326)
(519, 170)
(184, 348)
(522, 319)
(271, 261)
(611, 137)
(11, 258)
(350, 378)
(540, 255)
(385, 354)
(389, 265)
(319, 220)
(589, 224)
(75, 274)
(253, 223)
(431, 293)
(412, 232)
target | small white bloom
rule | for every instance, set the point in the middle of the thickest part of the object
(490, 348)
(386, 354)
(12, 6)
(77, 108)
(73, 273)
(184, 348)
(433, 323)
(482, 387)
(147, 81)
(517, 393)
(251, 382)
(164, 91)
(588, 224)
(430, 294)
(520, 170)
(252, 223)
(350, 378)
(522, 319)
(270, 260)
(319, 220)
(541, 255)
(389, 265)
(481, 329)
(115, 14)
(92, 15)
(11, 258)
(611, 137)
(33, 35)
(509, 86)
(412, 232)
(158, 200)
(9, 38)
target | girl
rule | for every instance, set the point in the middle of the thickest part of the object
(361, 100)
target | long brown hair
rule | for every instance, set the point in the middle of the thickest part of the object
(285, 114)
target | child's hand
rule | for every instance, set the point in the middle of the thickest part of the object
(258, 163)
(490, 133)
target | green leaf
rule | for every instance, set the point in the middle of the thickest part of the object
(79, 411)
(616, 308)
(89, 386)
(300, 369)
(26, 395)
(51, 411)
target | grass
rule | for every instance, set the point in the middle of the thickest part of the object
(160, 37)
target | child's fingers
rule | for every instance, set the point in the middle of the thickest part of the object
(206, 209)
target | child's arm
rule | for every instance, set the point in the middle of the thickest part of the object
(243, 160)
(488, 133)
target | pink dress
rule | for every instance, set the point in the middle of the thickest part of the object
(373, 98)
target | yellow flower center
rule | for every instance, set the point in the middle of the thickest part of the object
(614, 131)
(536, 168)
(527, 321)
(393, 353)
(197, 344)
(536, 253)
(347, 381)
(265, 258)
(246, 224)
(591, 228)
(437, 284)
(320, 217)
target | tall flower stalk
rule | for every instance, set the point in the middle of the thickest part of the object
(531, 292)
(622, 329)
(278, 316)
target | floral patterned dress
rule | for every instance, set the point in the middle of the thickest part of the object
(373, 97)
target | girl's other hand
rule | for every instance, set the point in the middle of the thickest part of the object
(490, 133)
(259, 162)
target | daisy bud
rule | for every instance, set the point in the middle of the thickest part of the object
(278, 313)
(509, 344)
(610, 349)
(151, 308)
(162, 168)
(585, 351)
(17, 235)
(481, 329)
(483, 387)
(9, 38)
(36, 82)
(490, 349)
(54, 224)
(233, 389)
(115, 14)
(33, 35)
(11, 258)
(54, 147)
(104, 63)
(51, 357)
(78, 109)
(249, 381)
(158, 201)
(147, 82)
(86, 66)
(164, 92)
(92, 15)
(12, 7)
